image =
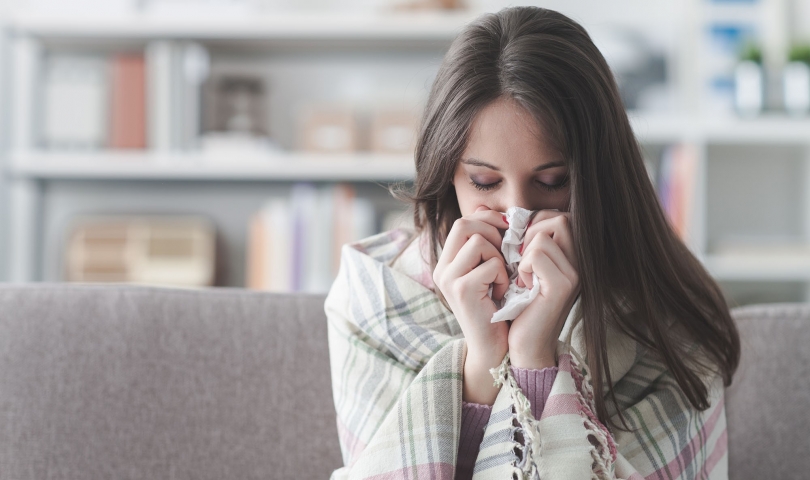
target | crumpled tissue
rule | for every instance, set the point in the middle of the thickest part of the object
(516, 298)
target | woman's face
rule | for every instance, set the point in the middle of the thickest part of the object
(513, 165)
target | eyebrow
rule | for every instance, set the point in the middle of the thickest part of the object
(481, 163)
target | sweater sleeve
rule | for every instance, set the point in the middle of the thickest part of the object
(536, 385)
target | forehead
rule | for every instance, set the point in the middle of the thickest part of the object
(505, 133)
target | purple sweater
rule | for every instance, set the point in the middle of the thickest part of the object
(536, 385)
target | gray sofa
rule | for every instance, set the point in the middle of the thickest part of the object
(145, 383)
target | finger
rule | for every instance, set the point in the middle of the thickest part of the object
(490, 272)
(492, 217)
(464, 228)
(541, 265)
(544, 214)
(524, 279)
(476, 251)
(556, 225)
(544, 243)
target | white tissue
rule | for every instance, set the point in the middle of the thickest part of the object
(516, 298)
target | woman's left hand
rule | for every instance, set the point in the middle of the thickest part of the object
(548, 251)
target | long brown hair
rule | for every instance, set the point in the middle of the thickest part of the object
(635, 273)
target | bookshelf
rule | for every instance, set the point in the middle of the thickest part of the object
(47, 185)
(735, 159)
(114, 165)
(417, 27)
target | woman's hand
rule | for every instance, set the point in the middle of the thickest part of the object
(548, 251)
(471, 261)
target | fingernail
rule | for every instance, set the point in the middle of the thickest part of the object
(504, 219)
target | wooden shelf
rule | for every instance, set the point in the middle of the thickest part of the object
(238, 166)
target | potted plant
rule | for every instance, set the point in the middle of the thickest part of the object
(796, 80)
(749, 81)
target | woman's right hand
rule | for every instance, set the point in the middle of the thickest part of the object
(470, 262)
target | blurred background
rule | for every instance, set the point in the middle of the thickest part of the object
(239, 143)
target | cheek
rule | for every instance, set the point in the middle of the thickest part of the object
(561, 200)
(469, 199)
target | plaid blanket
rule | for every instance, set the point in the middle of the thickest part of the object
(397, 357)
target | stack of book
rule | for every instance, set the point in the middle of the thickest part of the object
(129, 100)
(676, 185)
(294, 243)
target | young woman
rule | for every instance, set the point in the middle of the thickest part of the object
(616, 369)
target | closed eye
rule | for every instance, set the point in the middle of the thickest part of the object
(484, 187)
(556, 186)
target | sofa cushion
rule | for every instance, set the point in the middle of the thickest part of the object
(768, 403)
(138, 382)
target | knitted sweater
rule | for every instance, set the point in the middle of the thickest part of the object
(536, 385)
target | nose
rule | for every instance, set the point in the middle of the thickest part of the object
(517, 197)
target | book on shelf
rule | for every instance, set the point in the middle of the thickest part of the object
(125, 100)
(176, 73)
(159, 87)
(294, 242)
(74, 95)
(128, 102)
(676, 186)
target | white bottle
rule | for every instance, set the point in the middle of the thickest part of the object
(748, 88)
(796, 83)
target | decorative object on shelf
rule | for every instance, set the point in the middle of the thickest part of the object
(749, 81)
(329, 129)
(235, 112)
(429, 5)
(75, 102)
(393, 130)
(164, 250)
(294, 243)
(128, 102)
(796, 78)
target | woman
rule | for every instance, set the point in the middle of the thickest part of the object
(615, 369)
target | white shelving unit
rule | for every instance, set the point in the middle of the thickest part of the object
(294, 27)
(31, 170)
(44, 165)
